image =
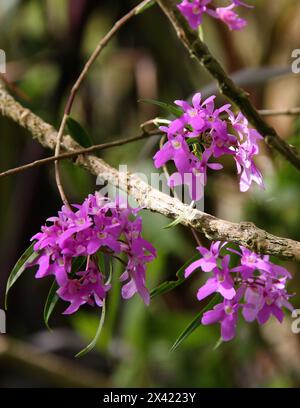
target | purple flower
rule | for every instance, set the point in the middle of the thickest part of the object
(87, 287)
(209, 259)
(140, 252)
(175, 149)
(250, 261)
(194, 174)
(97, 225)
(193, 11)
(226, 314)
(195, 115)
(230, 18)
(264, 300)
(201, 134)
(256, 286)
(221, 282)
(247, 147)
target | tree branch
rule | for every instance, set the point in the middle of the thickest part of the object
(237, 95)
(244, 233)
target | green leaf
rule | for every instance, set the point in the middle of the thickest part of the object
(179, 219)
(195, 323)
(173, 224)
(101, 262)
(28, 256)
(193, 140)
(51, 301)
(144, 6)
(77, 264)
(173, 110)
(218, 344)
(78, 133)
(94, 342)
(170, 285)
(201, 32)
(108, 272)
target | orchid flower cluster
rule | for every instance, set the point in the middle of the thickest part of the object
(203, 132)
(193, 11)
(98, 225)
(256, 287)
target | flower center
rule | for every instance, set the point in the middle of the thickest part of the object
(135, 235)
(196, 10)
(228, 310)
(192, 113)
(221, 278)
(80, 221)
(102, 235)
(176, 144)
(251, 259)
(93, 279)
(60, 262)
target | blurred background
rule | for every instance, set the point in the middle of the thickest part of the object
(47, 43)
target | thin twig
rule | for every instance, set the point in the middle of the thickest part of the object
(77, 152)
(101, 45)
(227, 87)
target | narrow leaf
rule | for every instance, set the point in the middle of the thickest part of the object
(28, 256)
(51, 301)
(93, 343)
(201, 32)
(78, 264)
(174, 110)
(179, 219)
(78, 133)
(170, 285)
(218, 344)
(195, 323)
(108, 272)
(101, 262)
(173, 224)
